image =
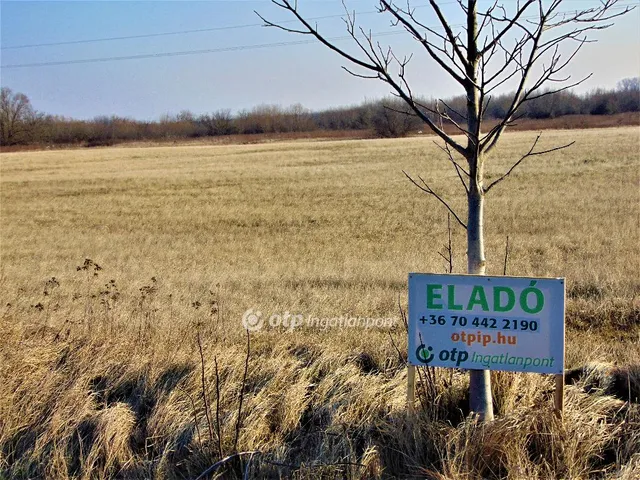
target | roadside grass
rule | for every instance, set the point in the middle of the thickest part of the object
(116, 261)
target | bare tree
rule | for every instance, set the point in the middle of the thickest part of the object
(628, 95)
(219, 122)
(515, 43)
(17, 116)
(629, 84)
(391, 118)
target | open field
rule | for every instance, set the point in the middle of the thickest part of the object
(101, 373)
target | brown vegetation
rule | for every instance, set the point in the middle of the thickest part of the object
(23, 128)
(567, 122)
(102, 375)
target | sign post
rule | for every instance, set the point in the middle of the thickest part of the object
(487, 323)
(558, 397)
(411, 387)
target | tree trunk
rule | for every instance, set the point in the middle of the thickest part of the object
(480, 399)
(476, 262)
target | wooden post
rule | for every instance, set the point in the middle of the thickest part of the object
(411, 388)
(558, 397)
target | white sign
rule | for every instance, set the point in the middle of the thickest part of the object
(487, 323)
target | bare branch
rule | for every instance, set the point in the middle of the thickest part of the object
(530, 153)
(445, 116)
(447, 28)
(286, 4)
(427, 45)
(458, 168)
(509, 26)
(490, 141)
(427, 189)
(359, 75)
(448, 107)
(411, 102)
(548, 19)
(376, 60)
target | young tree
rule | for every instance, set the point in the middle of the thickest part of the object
(516, 43)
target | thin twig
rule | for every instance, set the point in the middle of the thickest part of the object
(403, 316)
(241, 393)
(204, 389)
(530, 153)
(393, 343)
(218, 425)
(449, 248)
(422, 398)
(220, 463)
(427, 189)
(506, 256)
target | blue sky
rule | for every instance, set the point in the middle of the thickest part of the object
(308, 74)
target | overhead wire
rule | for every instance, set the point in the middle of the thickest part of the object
(189, 52)
(183, 32)
(221, 49)
(186, 32)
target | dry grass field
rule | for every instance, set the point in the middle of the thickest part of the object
(125, 274)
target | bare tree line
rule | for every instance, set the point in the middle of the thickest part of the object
(21, 124)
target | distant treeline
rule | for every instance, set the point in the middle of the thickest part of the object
(20, 124)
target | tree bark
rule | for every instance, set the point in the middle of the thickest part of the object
(476, 261)
(480, 399)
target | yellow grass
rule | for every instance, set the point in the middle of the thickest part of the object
(102, 379)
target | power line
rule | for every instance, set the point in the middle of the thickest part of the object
(199, 30)
(182, 32)
(151, 35)
(214, 50)
(190, 52)
(129, 37)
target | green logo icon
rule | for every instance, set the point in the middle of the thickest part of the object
(424, 353)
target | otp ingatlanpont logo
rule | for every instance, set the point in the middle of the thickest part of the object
(252, 320)
(424, 353)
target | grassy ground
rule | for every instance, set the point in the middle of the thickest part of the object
(126, 272)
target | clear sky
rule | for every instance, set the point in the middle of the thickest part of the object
(305, 73)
